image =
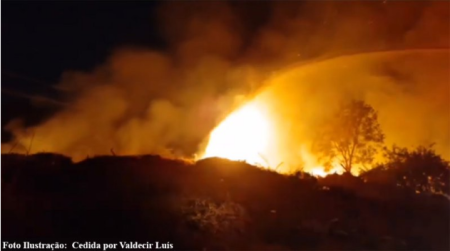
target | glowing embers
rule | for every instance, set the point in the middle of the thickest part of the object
(312, 166)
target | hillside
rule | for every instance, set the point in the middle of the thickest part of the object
(211, 204)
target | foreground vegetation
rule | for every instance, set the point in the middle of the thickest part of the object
(220, 204)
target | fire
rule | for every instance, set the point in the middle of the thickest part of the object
(313, 167)
(244, 135)
(318, 171)
(248, 134)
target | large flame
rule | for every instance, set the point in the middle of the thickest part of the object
(249, 135)
(243, 135)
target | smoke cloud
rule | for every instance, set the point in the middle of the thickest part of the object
(220, 54)
(409, 89)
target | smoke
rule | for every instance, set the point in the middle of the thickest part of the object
(219, 54)
(410, 90)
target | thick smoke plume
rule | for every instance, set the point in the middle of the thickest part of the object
(219, 54)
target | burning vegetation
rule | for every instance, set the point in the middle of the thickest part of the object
(243, 135)
(297, 130)
(259, 91)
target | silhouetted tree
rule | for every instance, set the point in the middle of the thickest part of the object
(351, 136)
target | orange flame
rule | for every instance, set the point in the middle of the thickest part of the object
(243, 135)
(248, 134)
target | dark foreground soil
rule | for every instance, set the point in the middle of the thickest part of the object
(212, 204)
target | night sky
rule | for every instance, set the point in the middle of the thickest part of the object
(40, 40)
(43, 39)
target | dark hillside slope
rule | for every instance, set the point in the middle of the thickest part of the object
(213, 204)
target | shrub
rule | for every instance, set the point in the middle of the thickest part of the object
(421, 170)
(214, 217)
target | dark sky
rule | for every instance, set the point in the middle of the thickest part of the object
(42, 39)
